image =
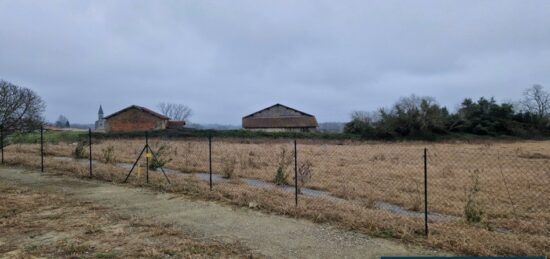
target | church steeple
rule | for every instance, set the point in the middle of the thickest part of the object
(100, 112)
(100, 123)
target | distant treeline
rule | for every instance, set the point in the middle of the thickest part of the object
(410, 118)
(416, 117)
(75, 136)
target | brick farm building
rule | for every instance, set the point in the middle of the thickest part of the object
(137, 118)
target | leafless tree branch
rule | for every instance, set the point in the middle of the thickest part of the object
(536, 100)
(20, 108)
(175, 111)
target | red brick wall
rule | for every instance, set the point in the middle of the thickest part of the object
(134, 120)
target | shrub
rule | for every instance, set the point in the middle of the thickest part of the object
(305, 173)
(228, 167)
(416, 198)
(79, 150)
(473, 210)
(160, 158)
(281, 177)
(108, 155)
(251, 162)
(285, 158)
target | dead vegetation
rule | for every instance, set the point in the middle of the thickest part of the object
(108, 155)
(534, 156)
(79, 150)
(160, 156)
(283, 162)
(305, 174)
(365, 174)
(228, 167)
(473, 210)
(50, 225)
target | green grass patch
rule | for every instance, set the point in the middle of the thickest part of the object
(49, 136)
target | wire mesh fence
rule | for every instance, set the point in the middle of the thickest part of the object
(506, 190)
(412, 184)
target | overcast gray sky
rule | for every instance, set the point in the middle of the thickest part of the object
(226, 59)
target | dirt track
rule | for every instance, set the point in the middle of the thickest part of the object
(269, 235)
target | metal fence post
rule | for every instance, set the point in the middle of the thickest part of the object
(147, 150)
(42, 148)
(295, 173)
(426, 191)
(210, 159)
(2, 141)
(90, 143)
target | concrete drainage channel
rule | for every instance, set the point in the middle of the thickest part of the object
(217, 178)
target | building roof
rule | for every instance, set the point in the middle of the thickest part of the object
(100, 110)
(140, 108)
(279, 116)
(278, 105)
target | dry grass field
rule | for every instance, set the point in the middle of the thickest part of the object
(47, 225)
(494, 196)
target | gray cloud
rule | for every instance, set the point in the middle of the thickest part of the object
(226, 59)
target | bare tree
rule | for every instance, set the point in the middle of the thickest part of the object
(175, 111)
(413, 103)
(20, 108)
(536, 100)
(365, 116)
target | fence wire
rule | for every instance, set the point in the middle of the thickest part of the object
(505, 189)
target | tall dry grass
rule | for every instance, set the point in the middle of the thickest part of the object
(513, 185)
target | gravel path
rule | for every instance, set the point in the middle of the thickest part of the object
(270, 235)
(217, 178)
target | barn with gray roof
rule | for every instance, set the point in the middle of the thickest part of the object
(280, 118)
